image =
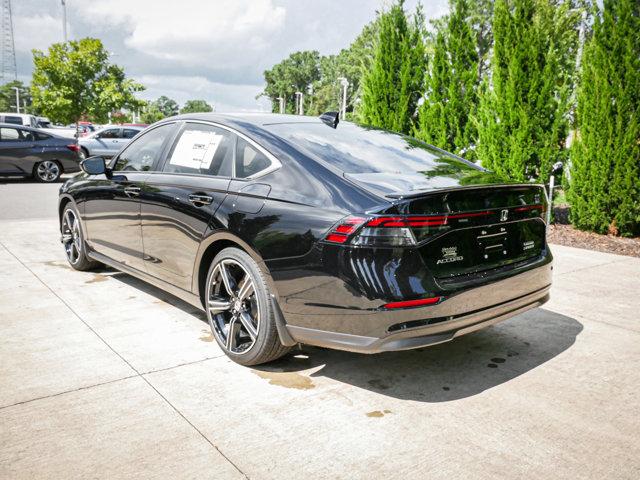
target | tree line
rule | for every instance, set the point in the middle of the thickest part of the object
(516, 85)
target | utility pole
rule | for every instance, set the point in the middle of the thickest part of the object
(64, 19)
(345, 84)
(280, 104)
(17, 99)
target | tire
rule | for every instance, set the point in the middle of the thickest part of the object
(242, 309)
(73, 240)
(84, 153)
(47, 171)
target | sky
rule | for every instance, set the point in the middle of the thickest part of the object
(216, 50)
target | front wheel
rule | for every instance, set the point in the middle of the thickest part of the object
(239, 309)
(47, 171)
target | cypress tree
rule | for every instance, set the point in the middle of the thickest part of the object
(451, 97)
(393, 84)
(605, 158)
(522, 119)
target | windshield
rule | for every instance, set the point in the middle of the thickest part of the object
(357, 150)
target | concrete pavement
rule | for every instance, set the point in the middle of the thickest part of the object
(103, 376)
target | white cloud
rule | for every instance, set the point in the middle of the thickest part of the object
(192, 32)
(36, 31)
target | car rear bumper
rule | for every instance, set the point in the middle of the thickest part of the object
(467, 311)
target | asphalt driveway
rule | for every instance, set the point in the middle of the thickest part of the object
(103, 376)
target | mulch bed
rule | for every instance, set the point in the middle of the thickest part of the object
(561, 233)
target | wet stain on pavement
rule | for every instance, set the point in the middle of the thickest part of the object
(286, 379)
(56, 263)
(492, 365)
(97, 279)
(446, 389)
(498, 360)
(378, 413)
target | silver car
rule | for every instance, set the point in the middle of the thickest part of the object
(108, 141)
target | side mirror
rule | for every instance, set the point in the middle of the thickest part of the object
(557, 168)
(94, 165)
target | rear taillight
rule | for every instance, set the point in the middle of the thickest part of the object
(74, 147)
(341, 232)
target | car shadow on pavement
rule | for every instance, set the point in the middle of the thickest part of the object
(464, 367)
(454, 370)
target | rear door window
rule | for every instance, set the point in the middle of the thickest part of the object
(129, 132)
(202, 150)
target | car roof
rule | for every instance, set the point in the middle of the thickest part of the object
(258, 118)
(30, 129)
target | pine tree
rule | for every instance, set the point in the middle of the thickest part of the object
(522, 119)
(393, 84)
(605, 159)
(451, 97)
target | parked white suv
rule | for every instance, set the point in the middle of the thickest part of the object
(23, 119)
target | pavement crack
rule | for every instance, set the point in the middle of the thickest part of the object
(64, 392)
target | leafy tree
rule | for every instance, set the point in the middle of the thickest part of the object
(451, 97)
(393, 84)
(8, 97)
(605, 158)
(293, 74)
(196, 106)
(151, 114)
(121, 117)
(75, 79)
(167, 106)
(522, 119)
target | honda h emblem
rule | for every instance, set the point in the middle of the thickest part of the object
(503, 215)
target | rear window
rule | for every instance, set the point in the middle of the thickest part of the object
(355, 149)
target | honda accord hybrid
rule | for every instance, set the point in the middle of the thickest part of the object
(293, 230)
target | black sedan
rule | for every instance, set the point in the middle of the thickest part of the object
(28, 152)
(290, 229)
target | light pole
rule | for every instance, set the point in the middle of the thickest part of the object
(345, 84)
(280, 104)
(17, 99)
(300, 99)
(64, 19)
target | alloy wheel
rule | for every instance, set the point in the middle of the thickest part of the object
(232, 306)
(48, 171)
(71, 236)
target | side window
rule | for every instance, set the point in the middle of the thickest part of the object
(14, 120)
(41, 136)
(110, 133)
(249, 160)
(202, 149)
(140, 155)
(129, 133)
(11, 135)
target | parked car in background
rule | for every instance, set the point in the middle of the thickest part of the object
(29, 152)
(19, 119)
(289, 229)
(108, 141)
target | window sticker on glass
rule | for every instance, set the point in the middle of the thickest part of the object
(196, 149)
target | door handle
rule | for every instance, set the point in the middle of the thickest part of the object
(199, 199)
(132, 191)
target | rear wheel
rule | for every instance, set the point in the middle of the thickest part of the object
(47, 171)
(73, 241)
(84, 153)
(239, 309)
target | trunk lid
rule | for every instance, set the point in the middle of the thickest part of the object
(486, 229)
